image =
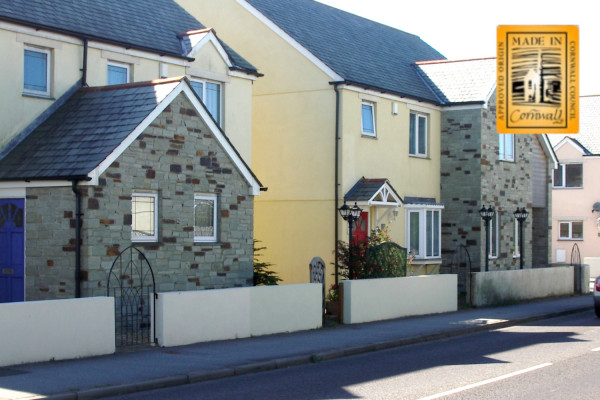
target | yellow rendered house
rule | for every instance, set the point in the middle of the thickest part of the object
(341, 114)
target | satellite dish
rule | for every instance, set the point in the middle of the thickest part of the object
(596, 207)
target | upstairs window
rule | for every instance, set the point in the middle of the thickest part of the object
(144, 217)
(36, 73)
(117, 73)
(417, 141)
(210, 94)
(568, 176)
(368, 118)
(506, 146)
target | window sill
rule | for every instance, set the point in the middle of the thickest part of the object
(569, 240)
(566, 187)
(419, 156)
(422, 261)
(506, 160)
(368, 135)
(38, 96)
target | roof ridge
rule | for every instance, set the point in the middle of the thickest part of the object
(153, 82)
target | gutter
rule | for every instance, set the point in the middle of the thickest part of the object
(82, 35)
(85, 63)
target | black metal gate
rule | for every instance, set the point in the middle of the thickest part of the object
(131, 283)
(576, 263)
(461, 266)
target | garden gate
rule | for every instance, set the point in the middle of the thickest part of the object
(131, 283)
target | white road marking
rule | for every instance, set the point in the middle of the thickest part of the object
(596, 349)
(487, 381)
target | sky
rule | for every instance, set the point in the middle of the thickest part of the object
(464, 29)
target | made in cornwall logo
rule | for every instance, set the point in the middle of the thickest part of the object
(538, 79)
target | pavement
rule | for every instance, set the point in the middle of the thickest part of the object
(152, 368)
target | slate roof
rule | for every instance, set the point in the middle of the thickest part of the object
(589, 126)
(366, 188)
(83, 132)
(462, 81)
(150, 25)
(362, 52)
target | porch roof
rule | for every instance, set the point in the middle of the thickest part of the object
(377, 192)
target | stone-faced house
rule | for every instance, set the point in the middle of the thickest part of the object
(483, 168)
(147, 166)
(98, 153)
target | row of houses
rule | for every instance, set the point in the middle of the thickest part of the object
(189, 128)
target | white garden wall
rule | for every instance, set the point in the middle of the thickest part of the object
(368, 300)
(56, 330)
(206, 315)
(498, 287)
(594, 263)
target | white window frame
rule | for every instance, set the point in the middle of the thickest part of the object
(126, 66)
(204, 83)
(570, 236)
(370, 105)
(417, 140)
(494, 236)
(562, 184)
(48, 54)
(147, 238)
(506, 141)
(517, 247)
(424, 244)
(207, 238)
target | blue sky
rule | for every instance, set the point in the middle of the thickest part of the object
(462, 29)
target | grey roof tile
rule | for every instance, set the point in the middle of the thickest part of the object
(76, 139)
(151, 25)
(361, 51)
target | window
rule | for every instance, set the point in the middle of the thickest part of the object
(144, 217)
(117, 74)
(570, 230)
(424, 233)
(368, 118)
(210, 94)
(205, 218)
(36, 71)
(568, 176)
(418, 135)
(506, 146)
(516, 244)
(494, 237)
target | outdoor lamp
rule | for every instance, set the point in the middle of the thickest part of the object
(350, 214)
(487, 214)
(521, 216)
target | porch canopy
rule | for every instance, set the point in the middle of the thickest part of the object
(377, 193)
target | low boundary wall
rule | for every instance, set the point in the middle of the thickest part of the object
(498, 287)
(368, 300)
(207, 315)
(594, 263)
(38, 331)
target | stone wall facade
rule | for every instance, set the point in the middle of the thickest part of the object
(473, 175)
(176, 157)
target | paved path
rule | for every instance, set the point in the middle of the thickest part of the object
(153, 368)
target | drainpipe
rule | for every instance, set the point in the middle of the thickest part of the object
(77, 239)
(84, 68)
(337, 179)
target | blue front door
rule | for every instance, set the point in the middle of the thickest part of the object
(12, 250)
